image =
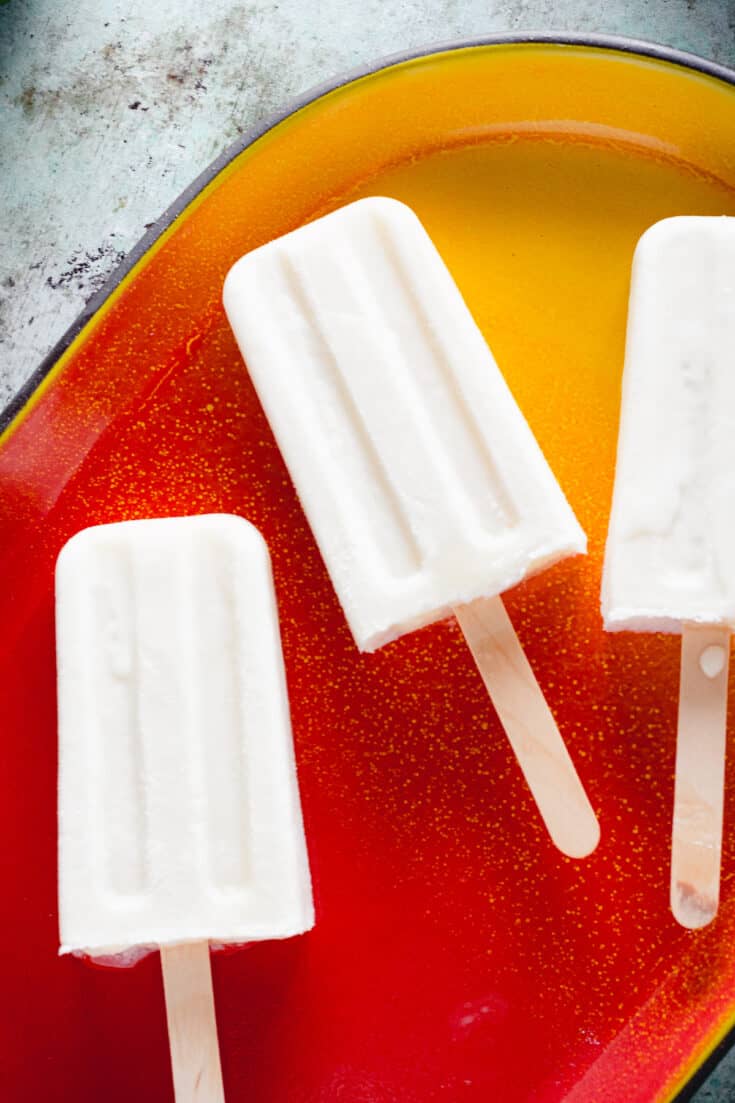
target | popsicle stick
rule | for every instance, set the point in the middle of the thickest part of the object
(530, 726)
(700, 775)
(192, 1027)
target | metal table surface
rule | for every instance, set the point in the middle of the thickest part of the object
(110, 108)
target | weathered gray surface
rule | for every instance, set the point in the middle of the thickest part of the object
(109, 108)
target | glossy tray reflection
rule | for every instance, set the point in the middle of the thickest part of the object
(456, 955)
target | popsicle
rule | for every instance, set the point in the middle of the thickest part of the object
(179, 814)
(423, 484)
(670, 554)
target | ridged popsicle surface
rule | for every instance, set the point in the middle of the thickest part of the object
(179, 815)
(419, 475)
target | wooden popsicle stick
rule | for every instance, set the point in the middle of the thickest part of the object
(700, 775)
(192, 1026)
(529, 726)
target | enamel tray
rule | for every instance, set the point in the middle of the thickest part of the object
(457, 955)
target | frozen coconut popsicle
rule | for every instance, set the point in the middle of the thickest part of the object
(424, 486)
(179, 815)
(670, 555)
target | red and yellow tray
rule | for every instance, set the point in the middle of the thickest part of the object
(457, 955)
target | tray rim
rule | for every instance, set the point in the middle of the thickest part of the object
(603, 42)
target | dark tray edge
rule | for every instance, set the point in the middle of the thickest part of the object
(171, 213)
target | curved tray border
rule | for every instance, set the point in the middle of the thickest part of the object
(617, 43)
(171, 213)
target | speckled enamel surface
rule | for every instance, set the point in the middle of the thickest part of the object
(456, 955)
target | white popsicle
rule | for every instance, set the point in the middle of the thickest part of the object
(670, 554)
(179, 814)
(423, 484)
